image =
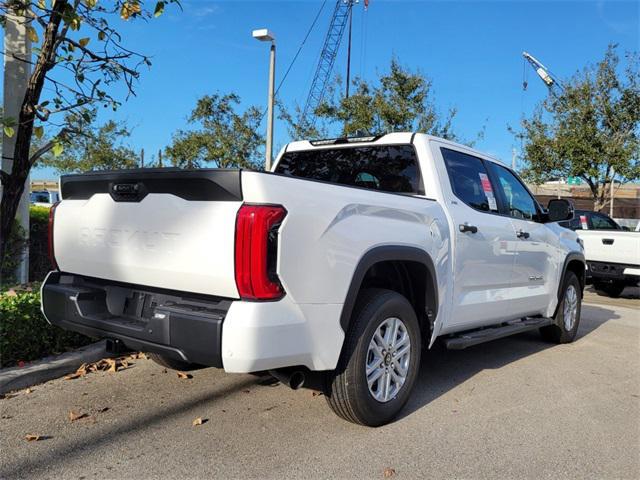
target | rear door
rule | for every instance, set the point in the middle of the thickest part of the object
(535, 267)
(484, 245)
(162, 228)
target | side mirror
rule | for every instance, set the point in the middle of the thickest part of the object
(559, 210)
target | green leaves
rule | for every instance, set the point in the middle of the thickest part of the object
(223, 135)
(84, 41)
(57, 148)
(400, 100)
(9, 131)
(99, 147)
(589, 129)
(38, 132)
(159, 10)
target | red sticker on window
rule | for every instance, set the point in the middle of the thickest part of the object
(486, 184)
(583, 222)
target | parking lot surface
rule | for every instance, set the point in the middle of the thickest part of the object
(513, 408)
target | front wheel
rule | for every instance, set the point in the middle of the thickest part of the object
(380, 359)
(567, 317)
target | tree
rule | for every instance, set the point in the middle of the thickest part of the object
(92, 148)
(79, 58)
(401, 100)
(590, 129)
(222, 136)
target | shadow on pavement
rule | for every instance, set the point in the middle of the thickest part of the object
(442, 370)
(95, 440)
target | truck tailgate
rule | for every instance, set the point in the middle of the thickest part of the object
(611, 246)
(163, 228)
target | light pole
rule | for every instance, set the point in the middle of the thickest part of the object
(264, 35)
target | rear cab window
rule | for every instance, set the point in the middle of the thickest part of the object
(602, 222)
(385, 168)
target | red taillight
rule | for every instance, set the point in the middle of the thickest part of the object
(52, 256)
(256, 251)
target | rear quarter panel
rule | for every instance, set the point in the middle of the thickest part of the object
(329, 228)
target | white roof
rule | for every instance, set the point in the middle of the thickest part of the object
(388, 139)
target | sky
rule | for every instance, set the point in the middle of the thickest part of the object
(471, 50)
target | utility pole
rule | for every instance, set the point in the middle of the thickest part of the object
(17, 70)
(349, 49)
(142, 158)
(159, 158)
(514, 157)
(611, 193)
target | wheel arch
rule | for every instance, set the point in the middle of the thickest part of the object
(407, 270)
(576, 263)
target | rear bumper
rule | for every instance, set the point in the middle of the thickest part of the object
(238, 336)
(159, 321)
(613, 271)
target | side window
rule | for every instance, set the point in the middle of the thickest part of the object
(469, 180)
(602, 222)
(519, 202)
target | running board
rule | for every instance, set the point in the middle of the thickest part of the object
(475, 337)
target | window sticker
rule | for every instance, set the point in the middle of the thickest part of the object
(583, 222)
(488, 191)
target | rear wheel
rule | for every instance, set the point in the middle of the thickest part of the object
(567, 317)
(613, 289)
(173, 364)
(380, 358)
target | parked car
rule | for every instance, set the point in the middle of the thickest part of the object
(612, 252)
(344, 260)
(44, 198)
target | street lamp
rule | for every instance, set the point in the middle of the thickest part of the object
(264, 35)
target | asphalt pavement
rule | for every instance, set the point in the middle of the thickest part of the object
(513, 408)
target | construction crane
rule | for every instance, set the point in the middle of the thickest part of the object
(543, 72)
(341, 16)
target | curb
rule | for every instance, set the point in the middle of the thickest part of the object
(48, 368)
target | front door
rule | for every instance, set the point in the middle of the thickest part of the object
(484, 244)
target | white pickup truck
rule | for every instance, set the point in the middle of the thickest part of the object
(342, 262)
(612, 253)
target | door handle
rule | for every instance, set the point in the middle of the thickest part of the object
(465, 227)
(522, 234)
(607, 241)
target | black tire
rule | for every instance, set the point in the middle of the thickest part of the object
(173, 364)
(346, 388)
(613, 289)
(558, 332)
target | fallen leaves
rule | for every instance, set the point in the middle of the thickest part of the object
(388, 472)
(184, 376)
(30, 437)
(73, 416)
(111, 365)
(199, 421)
